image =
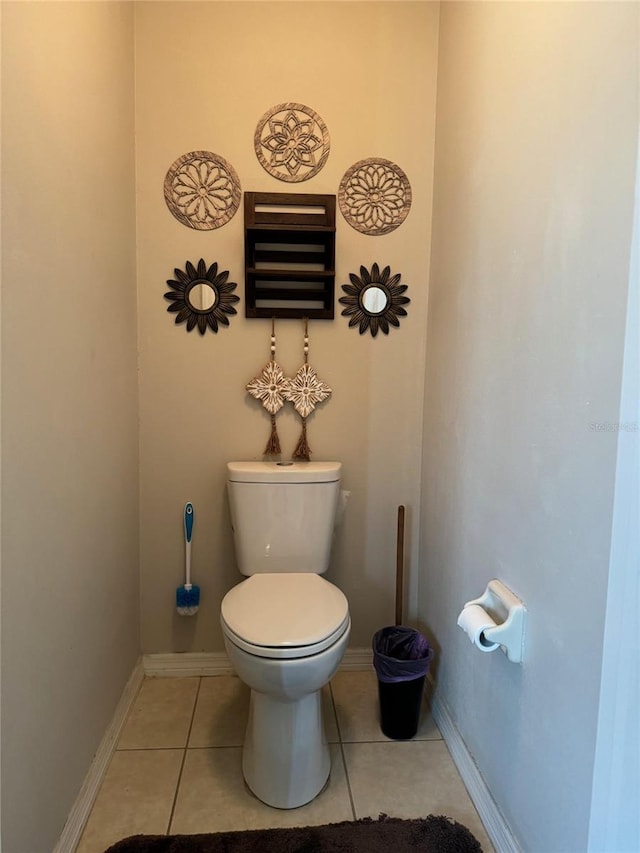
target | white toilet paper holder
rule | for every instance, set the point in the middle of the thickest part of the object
(509, 613)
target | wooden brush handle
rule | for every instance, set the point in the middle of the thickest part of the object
(400, 566)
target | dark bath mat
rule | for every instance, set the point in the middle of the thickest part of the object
(385, 835)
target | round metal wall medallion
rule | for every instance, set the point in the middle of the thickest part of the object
(292, 142)
(202, 190)
(375, 196)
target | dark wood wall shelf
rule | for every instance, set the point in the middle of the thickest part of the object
(290, 250)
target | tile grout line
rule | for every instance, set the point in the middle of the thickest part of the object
(184, 758)
(239, 745)
(355, 724)
(344, 759)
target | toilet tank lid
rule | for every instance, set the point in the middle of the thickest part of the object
(284, 472)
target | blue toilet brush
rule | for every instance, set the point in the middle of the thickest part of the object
(188, 596)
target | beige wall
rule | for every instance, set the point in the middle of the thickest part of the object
(535, 157)
(205, 74)
(70, 609)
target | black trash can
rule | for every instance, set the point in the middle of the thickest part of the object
(401, 657)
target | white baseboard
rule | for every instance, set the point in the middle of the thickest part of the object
(217, 663)
(357, 660)
(184, 664)
(158, 665)
(494, 823)
(79, 813)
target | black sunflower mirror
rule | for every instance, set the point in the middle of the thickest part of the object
(202, 297)
(374, 300)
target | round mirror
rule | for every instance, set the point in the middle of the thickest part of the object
(202, 296)
(374, 299)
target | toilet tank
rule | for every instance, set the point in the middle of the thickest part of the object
(282, 514)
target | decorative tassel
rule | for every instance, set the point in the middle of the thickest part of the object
(273, 445)
(302, 451)
(270, 389)
(304, 391)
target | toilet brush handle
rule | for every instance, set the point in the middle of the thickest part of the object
(188, 532)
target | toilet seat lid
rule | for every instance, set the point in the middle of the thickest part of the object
(284, 610)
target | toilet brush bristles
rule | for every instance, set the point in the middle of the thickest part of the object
(187, 599)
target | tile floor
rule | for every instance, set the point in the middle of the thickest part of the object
(177, 767)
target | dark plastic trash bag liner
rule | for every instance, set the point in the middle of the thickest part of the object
(400, 654)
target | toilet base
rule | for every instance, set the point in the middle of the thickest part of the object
(285, 758)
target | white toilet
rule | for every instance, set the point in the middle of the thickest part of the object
(285, 627)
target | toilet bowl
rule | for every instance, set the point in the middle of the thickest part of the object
(285, 635)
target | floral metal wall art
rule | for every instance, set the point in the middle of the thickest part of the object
(270, 388)
(304, 391)
(202, 297)
(375, 196)
(374, 300)
(292, 142)
(202, 190)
